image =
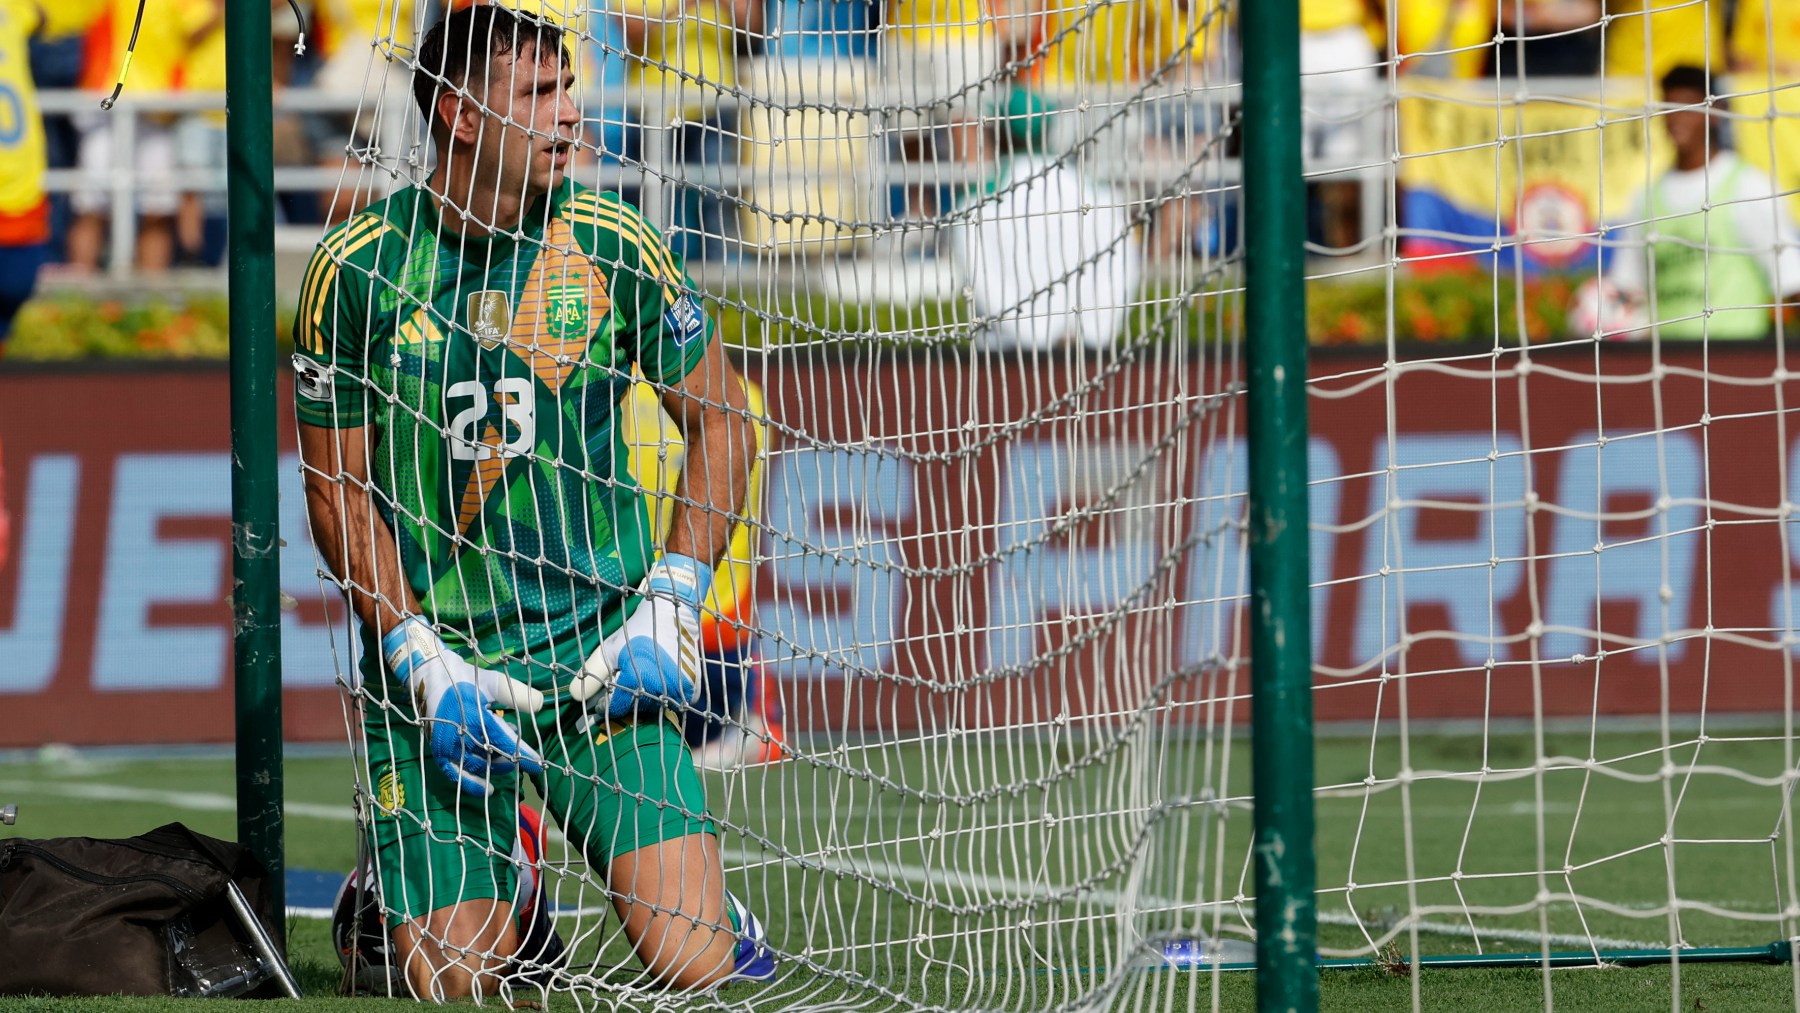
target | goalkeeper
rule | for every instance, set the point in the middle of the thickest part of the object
(462, 348)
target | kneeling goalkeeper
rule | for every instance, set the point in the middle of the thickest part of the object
(462, 348)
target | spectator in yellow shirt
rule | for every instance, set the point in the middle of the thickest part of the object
(1339, 98)
(1765, 43)
(200, 137)
(1649, 38)
(24, 210)
(939, 59)
(1764, 53)
(1119, 43)
(681, 57)
(1550, 38)
(161, 46)
(1080, 53)
(1443, 38)
(936, 56)
(683, 53)
(365, 45)
(24, 207)
(1337, 73)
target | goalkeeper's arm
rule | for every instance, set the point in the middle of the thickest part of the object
(350, 534)
(454, 698)
(654, 659)
(713, 410)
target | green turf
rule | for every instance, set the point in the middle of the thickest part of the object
(917, 818)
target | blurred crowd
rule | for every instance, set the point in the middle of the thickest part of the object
(664, 82)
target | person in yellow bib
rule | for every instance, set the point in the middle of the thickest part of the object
(1710, 249)
(737, 720)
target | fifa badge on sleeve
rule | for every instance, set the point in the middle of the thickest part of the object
(686, 320)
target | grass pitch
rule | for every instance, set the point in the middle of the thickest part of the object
(1468, 851)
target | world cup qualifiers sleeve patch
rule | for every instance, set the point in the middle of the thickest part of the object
(310, 379)
(686, 320)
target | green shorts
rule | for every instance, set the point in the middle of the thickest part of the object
(610, 789)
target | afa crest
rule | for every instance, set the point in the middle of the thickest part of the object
(566, 312)
(563, 302)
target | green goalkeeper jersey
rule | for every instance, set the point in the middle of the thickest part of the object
(490, 373)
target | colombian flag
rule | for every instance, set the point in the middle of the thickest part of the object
(1492, 180)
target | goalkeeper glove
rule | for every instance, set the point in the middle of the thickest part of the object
(654, 659)
(457, 699)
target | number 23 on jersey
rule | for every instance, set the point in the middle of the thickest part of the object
(516, 397)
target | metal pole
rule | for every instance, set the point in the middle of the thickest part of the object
(255, 542)
(1280, 637)
(266, 948)
(122, 227)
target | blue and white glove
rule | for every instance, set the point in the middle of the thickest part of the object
(653, 660)
(457, 699)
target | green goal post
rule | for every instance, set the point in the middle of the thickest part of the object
(255, 536)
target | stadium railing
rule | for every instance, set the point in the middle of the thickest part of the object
(1173, 123)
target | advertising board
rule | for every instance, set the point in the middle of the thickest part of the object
(1001, 550)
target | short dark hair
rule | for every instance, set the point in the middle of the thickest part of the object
(1687, 77)
(466, 39)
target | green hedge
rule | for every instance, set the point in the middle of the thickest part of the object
(1447, 309)
(1440, 309)
(66, 327)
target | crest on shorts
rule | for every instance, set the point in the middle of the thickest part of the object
(390, 794)
(490, 316)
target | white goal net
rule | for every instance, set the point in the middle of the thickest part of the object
(972, 727)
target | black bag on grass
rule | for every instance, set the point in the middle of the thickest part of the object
(147, 915)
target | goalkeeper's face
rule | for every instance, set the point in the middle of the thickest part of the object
(529, 131)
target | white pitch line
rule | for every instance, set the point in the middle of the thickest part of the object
(1019, 889)
(199, 801)
(1510, 935)
(1526, 809)
(1015, 888)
